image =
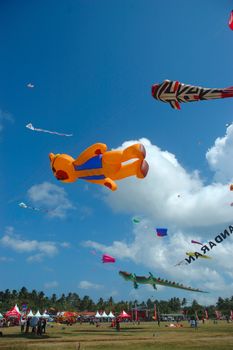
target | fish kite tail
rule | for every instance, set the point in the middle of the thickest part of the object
(228, 92)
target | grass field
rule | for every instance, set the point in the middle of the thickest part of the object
(131, 337)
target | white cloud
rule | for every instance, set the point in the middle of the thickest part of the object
(5, 259)
(5, 117)
(65, 245)
(172, 197)
(51, 285)
(21, 246)
(41, 249)
(220, 156)
(35, 258)
(89, 285)
(51, 197)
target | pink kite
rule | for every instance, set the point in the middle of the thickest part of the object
(108, 259)
(230, 23)
(196, 242)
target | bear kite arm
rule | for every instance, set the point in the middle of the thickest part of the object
(90, 152)
(107, 182)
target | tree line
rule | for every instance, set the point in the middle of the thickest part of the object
(35, 300)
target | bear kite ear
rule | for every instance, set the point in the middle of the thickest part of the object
(51, 156)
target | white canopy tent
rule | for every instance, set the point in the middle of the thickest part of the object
(30, 314)
(1, 315)
(45, 315)
(97, 315)
(38, 314)
(17, 308)
(104, 315)
(111, 315)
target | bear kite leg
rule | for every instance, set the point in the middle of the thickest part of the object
(135, 151)
(138, 168)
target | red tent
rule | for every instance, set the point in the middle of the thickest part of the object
(13, 313)
(124, 315)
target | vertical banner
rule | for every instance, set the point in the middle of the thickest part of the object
(197, 318)
(206, 314)
(231, 317)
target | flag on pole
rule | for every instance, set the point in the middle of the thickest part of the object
(155, 312)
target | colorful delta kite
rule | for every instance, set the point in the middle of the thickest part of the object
(25, 206)
(230, 23)
(108, 259)
(31, 127)
(136, 220)
(154, 281)
(198, 255)
(196, 242)
(98, 165)
(174, 92)
(161, 232)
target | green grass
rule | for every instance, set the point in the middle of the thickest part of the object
(131, 337)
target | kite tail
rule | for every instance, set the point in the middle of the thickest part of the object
(228, 92)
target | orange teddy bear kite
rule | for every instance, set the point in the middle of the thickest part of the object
(99, 166)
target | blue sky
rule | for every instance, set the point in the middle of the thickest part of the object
(93, 64)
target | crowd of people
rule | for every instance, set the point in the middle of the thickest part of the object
(37, 325)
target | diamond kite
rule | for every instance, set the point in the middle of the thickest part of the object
(161, 232)
(97, 165)
(25, 206)
(174, 92)
(108, 259)
(31, 127)
(154, 281)
(136, 220)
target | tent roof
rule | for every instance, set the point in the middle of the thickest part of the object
(104, 314)
(38, 314)
(13, 312)
(97, 315)
(30, 314)
(124, 315)
(111, 315)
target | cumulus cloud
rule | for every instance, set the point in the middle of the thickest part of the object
(41, 249)
(5, 259)
(220, 156)
(52, 197)
(173, 197)
(89, 285)
(159, 256)
(51, 285)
